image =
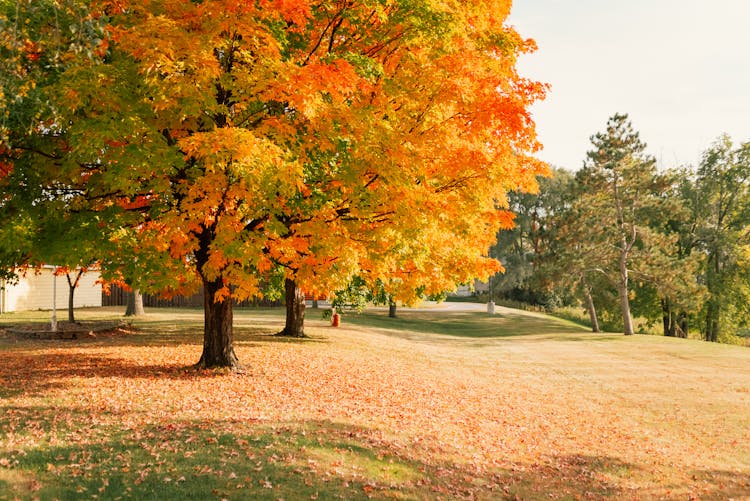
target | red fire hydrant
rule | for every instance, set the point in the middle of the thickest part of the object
(335, 320)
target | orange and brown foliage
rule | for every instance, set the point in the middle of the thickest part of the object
(222, 141)
(326, 135)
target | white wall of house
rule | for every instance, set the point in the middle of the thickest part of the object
(466, 290)
(35, 292)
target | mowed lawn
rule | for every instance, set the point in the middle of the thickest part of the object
(436, 404)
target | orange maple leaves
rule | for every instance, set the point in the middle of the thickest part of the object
(334, 138)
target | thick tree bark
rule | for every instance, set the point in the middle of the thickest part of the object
(392, 309)
(218, 332)
(134, 305)
(295, 310)
(591, 309)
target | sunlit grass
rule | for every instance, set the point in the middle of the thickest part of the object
(430, 405)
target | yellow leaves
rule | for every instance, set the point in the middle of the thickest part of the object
(224, 145)
(246, 160)
(388, 140)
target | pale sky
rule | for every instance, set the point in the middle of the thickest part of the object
(679, 68)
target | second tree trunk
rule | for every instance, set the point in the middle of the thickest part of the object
(295, 310)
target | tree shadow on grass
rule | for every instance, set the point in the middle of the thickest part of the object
(296, 460)
(35, 373)
(721, 484)
(33, 367)
(471, 327)
(214, 459)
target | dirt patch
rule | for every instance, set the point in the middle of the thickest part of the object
(69, 330)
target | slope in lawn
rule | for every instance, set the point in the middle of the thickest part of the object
(376, 409)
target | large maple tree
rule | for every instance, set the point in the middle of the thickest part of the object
(230, 139)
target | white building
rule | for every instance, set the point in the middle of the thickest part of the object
(35, 291)
(467, 290)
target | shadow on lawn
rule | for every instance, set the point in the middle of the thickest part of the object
(430, 325)
(212, 459)
(33, 368)
(34, 373)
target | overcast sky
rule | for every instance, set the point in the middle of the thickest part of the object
(679, 68)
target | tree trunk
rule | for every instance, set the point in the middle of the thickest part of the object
(134, 305)
(682, 325)
(218, 333)
(295, 310)
(392, 309)
(315, 303)
(669, 319)
(713, 308)
(590, 307)
(712, 322)
(71, 294)
(627, 320)
(72, 284)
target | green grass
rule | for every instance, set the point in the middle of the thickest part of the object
(189, 461)
(464, 324)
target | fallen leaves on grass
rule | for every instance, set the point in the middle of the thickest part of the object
(342, 417)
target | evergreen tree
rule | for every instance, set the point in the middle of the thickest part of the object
(621, 200)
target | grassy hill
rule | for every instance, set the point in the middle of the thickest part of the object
(436, 404)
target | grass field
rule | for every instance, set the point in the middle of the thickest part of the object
(433, 405)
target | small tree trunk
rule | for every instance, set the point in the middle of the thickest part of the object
(392, 309)
(672, 324)
(315, 303)
(668, 319)
(218, 333)
(627, 320)
(682, 325)
(72, 284)
(295, 310)
(71, 295)
(712, 322)
(591, 309)
(134, 305)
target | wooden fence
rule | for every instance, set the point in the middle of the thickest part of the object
(118, 297)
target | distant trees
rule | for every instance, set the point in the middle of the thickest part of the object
(523, 248)
(721, 222)
(624, 239)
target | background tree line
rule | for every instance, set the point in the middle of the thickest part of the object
(625, 239)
